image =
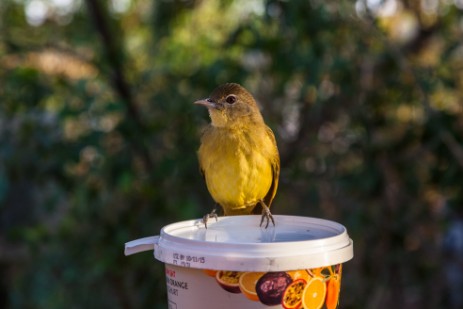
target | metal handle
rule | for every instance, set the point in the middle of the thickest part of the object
(140, 245)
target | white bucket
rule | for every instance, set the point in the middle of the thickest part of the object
(235, 263)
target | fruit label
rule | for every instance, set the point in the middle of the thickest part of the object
(191, 288)
(173, 284)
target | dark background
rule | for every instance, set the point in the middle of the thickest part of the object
(98, 138)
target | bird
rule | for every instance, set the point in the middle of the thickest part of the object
(238, 154)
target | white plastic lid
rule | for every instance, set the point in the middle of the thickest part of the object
(238, 243)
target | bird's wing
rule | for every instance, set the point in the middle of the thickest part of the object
(275, 162)
(275, 169)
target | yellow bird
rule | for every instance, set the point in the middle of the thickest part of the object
(238, 155)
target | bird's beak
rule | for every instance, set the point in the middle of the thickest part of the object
(206, 102)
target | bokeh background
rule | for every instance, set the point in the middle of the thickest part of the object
(98, 138)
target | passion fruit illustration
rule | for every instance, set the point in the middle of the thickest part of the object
(292, 297)
(229, 280)
(271, 286)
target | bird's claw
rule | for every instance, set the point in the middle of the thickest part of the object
(206, 217)
(266, 215)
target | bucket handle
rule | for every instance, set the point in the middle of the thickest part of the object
(140, 245)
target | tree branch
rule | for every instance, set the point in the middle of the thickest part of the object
(114, 54)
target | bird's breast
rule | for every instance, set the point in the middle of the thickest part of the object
(237, 166)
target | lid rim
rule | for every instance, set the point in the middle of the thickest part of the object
(258, 256)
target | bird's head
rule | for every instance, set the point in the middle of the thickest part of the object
(231, 105)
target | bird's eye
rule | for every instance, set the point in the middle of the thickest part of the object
(231, 99)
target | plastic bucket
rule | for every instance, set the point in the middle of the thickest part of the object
(235, 263)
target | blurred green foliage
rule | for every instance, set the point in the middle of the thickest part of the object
(98, 136)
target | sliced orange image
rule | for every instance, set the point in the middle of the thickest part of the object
(247, 284)
(314, 294)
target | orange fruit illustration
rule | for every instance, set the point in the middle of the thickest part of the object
(292, 297)
(247, 283)
(314, 294)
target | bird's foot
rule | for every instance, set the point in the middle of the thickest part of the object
(206, 218)
(266, 215)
